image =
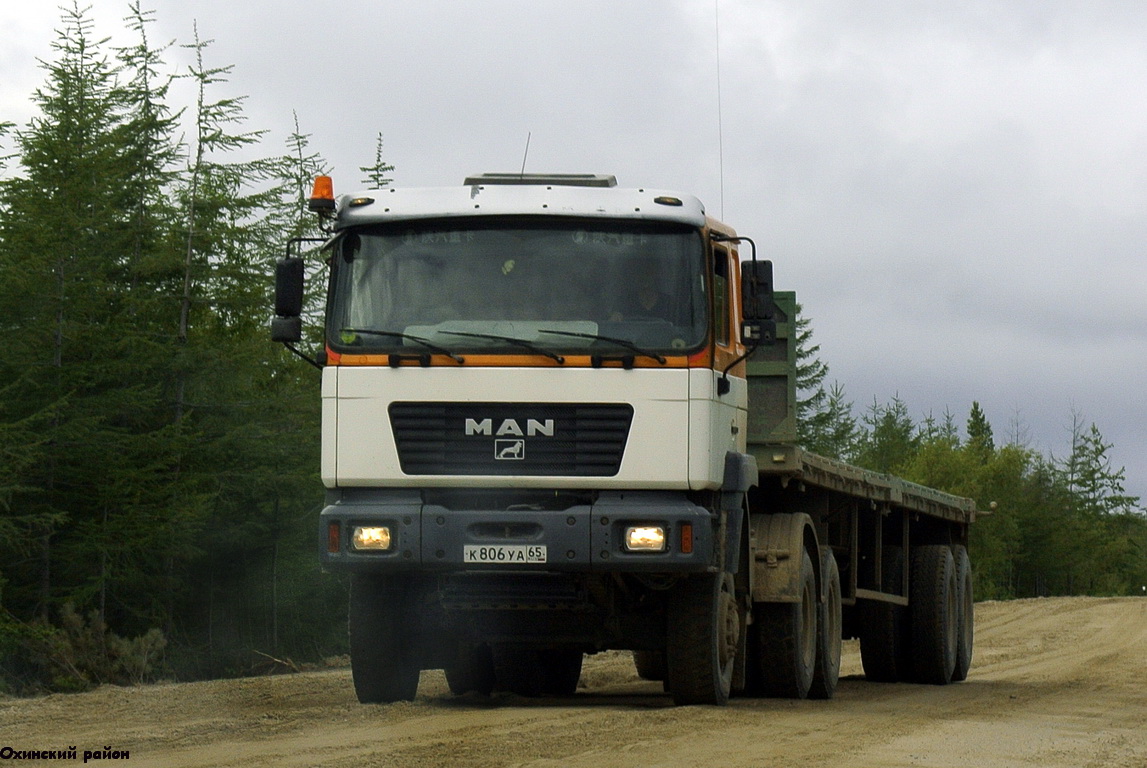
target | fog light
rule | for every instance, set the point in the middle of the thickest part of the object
(374, 537)
(645, 538)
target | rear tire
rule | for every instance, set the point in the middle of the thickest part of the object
(826, 674)
(704, 630)
(787, 638)
(882, 628)
(561, 670)
(384, 664)
(650, 664)
(518, 670)
(471, 670)
(967, 615)
(935, 614)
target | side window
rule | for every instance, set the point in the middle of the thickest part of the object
(721, 296)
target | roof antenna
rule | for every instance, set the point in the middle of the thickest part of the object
(720, 131)
(526, 154)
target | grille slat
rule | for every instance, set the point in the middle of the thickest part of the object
(510, 438)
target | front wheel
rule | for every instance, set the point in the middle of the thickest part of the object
(384, 664)
(704, 631)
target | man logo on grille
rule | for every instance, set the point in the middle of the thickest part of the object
(511, 428)
(509, 450)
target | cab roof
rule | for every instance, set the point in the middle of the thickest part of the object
(569, 195)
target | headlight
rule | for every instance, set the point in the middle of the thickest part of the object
(372, 537)
(645, 538)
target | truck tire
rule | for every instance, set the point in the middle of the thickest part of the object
(561, 670)
(384, 665)
(650, 664)
(934, 608)
(826, 673)
(882, 628)
(471, 670)
(967, 620)
(518, 670)
(704, 629)
(787, 639)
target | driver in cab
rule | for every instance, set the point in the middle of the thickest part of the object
(644, 300)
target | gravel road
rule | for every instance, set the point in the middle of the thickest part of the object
(1055, 683)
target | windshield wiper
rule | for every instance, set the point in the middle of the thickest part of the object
(417, 339)
(612, 340)
(511, 340)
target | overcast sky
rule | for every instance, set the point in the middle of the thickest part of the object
(957, 191)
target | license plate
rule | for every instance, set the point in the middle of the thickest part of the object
(504, 553)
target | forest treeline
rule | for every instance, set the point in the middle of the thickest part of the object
(159, 456)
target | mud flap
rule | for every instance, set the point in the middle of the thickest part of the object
(780, 542)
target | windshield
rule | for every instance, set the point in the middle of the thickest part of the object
(488, 286)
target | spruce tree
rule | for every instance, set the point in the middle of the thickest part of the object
(376, 177)
(980, 440)
(64, 239)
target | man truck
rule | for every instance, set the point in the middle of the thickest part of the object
(558, 418)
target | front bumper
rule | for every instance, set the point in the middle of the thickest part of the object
(583, 538)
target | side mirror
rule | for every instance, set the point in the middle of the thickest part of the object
(759, 325)
(287, 330)
(289, 287)
(287, 327)
(757, 289)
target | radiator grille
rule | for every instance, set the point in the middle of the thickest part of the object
(560, 439)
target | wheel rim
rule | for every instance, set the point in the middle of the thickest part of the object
(968, 608)
(832, 623)
(730, 628)
(953, 606)
(808, 624)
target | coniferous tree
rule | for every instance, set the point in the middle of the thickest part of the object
(64, 238)
(825, 422)
(376, 177)
(891, 438)
(980, 440)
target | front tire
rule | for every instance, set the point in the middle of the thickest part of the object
(704, 630)
(384, 664)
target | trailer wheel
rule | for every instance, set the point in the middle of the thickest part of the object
(561, 669)
(471, 670)
(828, 631)
(882, 628)
(935, 613)
(967, 614)
(704, 629)
(650, 664)
(384, 666)
(787, 637)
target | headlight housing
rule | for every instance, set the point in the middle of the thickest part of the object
(645, 538)
(371, 538)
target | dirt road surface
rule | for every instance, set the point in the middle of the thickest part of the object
(1054, 682)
